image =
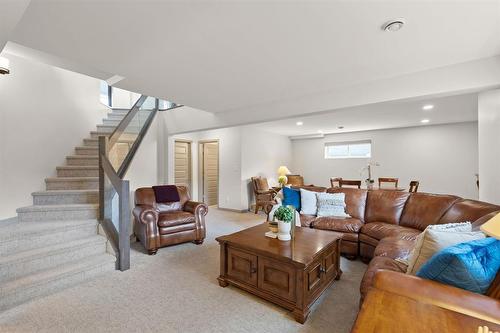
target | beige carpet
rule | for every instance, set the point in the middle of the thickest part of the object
(177, 291)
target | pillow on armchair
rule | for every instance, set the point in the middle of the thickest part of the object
(471, 266)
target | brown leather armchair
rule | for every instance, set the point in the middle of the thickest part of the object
(162, 224)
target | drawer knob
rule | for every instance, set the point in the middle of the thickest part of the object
(322, 269)
(253, 270)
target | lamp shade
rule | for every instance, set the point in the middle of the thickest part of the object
(492, 227)
(4, 65)
(283, 171)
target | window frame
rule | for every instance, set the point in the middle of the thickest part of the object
(348, 144)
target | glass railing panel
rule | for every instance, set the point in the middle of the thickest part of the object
(126, 139)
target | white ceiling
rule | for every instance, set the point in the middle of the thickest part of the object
(228, 56)
(10, 14)
(452, 109)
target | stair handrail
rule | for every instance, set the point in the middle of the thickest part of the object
(119, 239)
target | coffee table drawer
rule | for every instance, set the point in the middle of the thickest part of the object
(277, 278)
(242, 266)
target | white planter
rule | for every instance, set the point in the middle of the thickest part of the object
(284, 230)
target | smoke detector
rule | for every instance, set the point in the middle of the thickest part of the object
(394, 25)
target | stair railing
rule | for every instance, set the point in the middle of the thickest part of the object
(116, 153)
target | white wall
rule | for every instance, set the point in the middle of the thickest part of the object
(123, 99)
(44, 113)
(444, 158)
(243, 152)
(262, 153)
(229, 164)
(489, 145)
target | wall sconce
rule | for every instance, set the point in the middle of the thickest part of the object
(4, 65)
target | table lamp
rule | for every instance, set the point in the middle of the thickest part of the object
(492, 227)
(282, 172)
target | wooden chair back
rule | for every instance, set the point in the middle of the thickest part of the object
(260, 184)
(346, 182)
(388, 180)
(295, 180)
(335, 181)
(414, 186)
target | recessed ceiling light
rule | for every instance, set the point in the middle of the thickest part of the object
(394, 25)
(320, 131)
(299, 123)
(424, 121)
(340, 127)
(428, 107)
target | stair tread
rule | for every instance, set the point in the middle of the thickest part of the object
(26, 230)
(76, 167)
(87, 147)
(64, 207)
(70, 179)
(52, 249)
(82, 156)
(53, 192)
(37, 279)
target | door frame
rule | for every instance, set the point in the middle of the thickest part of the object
(190, 163)
(201, 167)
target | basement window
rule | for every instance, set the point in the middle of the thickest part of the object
(351, 149)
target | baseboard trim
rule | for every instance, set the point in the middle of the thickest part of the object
(234, 210)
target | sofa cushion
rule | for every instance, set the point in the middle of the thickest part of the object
(375, 264)
(291, 197)
(471, 266)
(385, 206)
(308, 202)
(341, 224)
(467, 210)
(331, 204)
(307, 220)
(379, 230)
(395, 248)
(173, 218)
(355, 200)
(423, 209)
(368, 240)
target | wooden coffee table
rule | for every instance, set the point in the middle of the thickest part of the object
(292, 274)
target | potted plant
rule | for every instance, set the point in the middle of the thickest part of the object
(284, 215)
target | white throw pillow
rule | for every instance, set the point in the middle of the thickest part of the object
(308, 202)
(331, 204)
(437, 237)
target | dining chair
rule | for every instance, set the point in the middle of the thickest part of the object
(335, 181)
(414, 186)
(388, 180)
(345, 182)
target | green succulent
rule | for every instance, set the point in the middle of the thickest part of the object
(284, 213)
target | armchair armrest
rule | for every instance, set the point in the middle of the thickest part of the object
(145, 213)
(146, 226)
(196, 208)
(437, 294)
(199, 210)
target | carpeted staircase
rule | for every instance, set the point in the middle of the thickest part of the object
(55, 244)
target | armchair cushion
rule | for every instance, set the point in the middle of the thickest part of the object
(173, 218)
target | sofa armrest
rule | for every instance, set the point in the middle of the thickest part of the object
(437, 294)
(146, 226)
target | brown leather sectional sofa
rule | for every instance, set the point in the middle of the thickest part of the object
(384, 224)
